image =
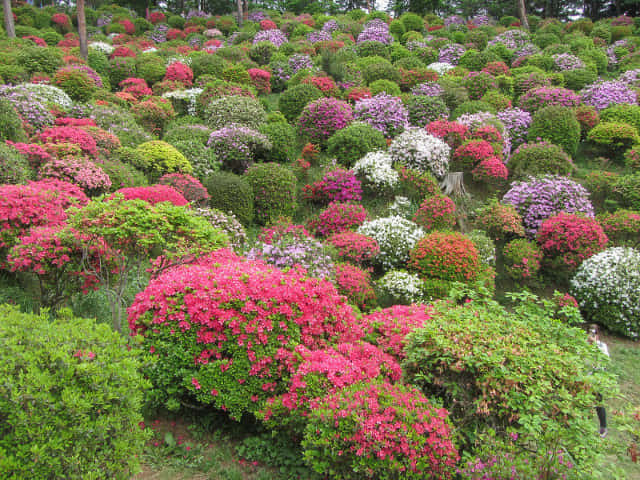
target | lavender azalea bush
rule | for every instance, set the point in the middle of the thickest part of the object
(567, 61)
(450, 53)
(377, 31)
(429, 89)
(516, 121)
(541, 198)
(236, 147)
(602, 94)
(383, 112)
(276, 37)
(287, 251)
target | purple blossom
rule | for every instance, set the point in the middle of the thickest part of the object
(196, 13)
(516, 122)
(567, 61)
(541, 198)
(257, 16)
(430, 89)
(383, 112)
(318, 36)
(454, 20)
(602, 94)
(376, 30)
(299, 61)
(276, 37)
(451, 53)
(631, 78)
(480, 20)
(289, 251)
(330, 26)
(159, 33)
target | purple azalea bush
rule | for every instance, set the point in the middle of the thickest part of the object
(516, 121)
(429, 89)
(383, 112)
(377, 31)
(603, 94)
(299, 61)
(318, 36)
(276, 37)
(451, 53)
(541, 198)
(323, 117)
(567, 61)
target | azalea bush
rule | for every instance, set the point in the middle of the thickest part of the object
(436, 213)
(399, 287)
(354, 247)
(241, 352)
(336, 185)
(237, 147)
(419, 150)
(522, 260)
(190, 187)
(621, 227)
(606, 288)
(157, 158)
(274, 191)
(153, 194)
(354, 142)
(338, 217)
(376, 172)
(395, 235)
(321, 118)
(540, 158)
(500, 221)
(355, 283)
(445, 256)
(384, 113)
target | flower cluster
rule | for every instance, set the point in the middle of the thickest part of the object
(274, 36)
(567, 61)
(153, 194)
(228, 223)
(440, 67)
(377, 172)
(300, 61)
(603, 94)
(470, 153)
(401, 287)
(490, 170)
(516, 122)
(429, 89)
(622, 227)
(395, 235)
(323, 117)
(541, 198)
(450, 54)
(436, 213)
(376, 30)
(419, 150)
(453, 133)
(355, 284)
(337, 218)
(338, 185)
(179, 72)
(354, 247)
(383, 112)
(71, 135)
(542, 97)
(77, 170)
(445, 256)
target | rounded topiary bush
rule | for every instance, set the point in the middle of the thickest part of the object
(567, 240)
(353, 142)
(423, 110)
(395, 235)
(541, 158)
(522, 259)
(379, 430)
(294, 99)
(237, 147)
(10, 123)
(158, 158)
(614, 137)
(607, 288)
(230, 193)
(283, 141)
(76, 378)
(448, 256)
(274, 191)
(322, 118)
(436, 213)
(557, 125)
(241, 351)
(236, 109)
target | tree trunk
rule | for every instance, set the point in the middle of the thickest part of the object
(239, 12)
(523, 14)
(8, 19)
(82, 29)
(245, 14)
(453, 184)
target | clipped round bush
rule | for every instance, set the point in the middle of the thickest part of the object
(626, 189)
(76, 378)
(399, 287)
(354, 247)
(294, 99)
(395, 235)
(540, 158)
(538, 98)
(237, 147)
(567, 240)
(241, 351)
(437, 212)
(10, 123)
(338, 217)
(236, 109)
(14, 167)
(424, 110)
(607, 288)
(321, 118)
(380, 428)
(283, 141)
(622, 227)
(158, 158)
(384, 113)
(522, 259)
(353, 142)
(417, 149)
(375, 171)
(557, 125)
(274, 191)
(231, 193)
(188, 186)
(622, 113)
(445, 256)
(614, 137)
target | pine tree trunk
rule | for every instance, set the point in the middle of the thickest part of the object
(239, 12)
(453, 184)
(523, 14)
(82, 30)
(8, 19)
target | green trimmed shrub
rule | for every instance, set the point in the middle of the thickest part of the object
(385, 86)
(283, 141)
(157, 158)
(38, 59)
(151, 67)
(206, 64)
(623, 113)
(231, 193)
(99, 62)
(626, 189)
(237, 74)
(13, 74)
(14, 168)
(380, 71)
(294, 99)
(261, 52)
(76, 378)
(614, 137)
(412, 22)
(579, 78)
(371, 48)
(274, 191)
(354, 141)
(540, 159)
(472, 106)
(10, 123)
(122, 175)
(424, 109)
(557, 125)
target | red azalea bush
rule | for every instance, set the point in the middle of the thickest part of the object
(453, 133)
(77, 170)
(37, 40)
(567, 240)
(338, 217)
(355, 284)
(388, 328)
(282, 228)
(267, 24)
(137, 87)
(129, 27)
(70, 135)
(358, 93)
(175, 33)
(470, 153)
(70, 40)
(64, 260)
(179, 72)
(190, 187)
(500, 221)
(260, 79)
(35, 154)
(496, 68)
(379, 430)
(622, 227)
(33, 205)
(153, 194)
(411, 78)
(522, 259)
(320, 372)
(449, 256)
(325, 84)
(153, 113)
(491, 171)
(62, 21)
(237, 323)
(437, 212)
(156, 17)
(322, 118)
(123, 51)
(107, 142)
(354, 247)
(338, 185)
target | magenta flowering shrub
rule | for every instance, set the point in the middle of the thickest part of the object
(153, 194)
(436, 213)
(516, 122)
(322, 118)
(376, 30)
(76, 136)
(237, 323)
(355, 283)
(337, 218)
(354, 247)
(379, 430)
(338, 185)
(491, 171)
(189, 187)
(321, 372)
(388, 328)
(383, 112)
(77, 170)
(538, 98)
(541, 198)
(604, 94)
(450, 53)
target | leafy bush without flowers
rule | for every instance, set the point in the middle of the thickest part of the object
(522, 259)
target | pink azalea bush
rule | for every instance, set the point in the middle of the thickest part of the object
(338, 217)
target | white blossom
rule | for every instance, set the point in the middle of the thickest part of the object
(375, 170)
(396, 237)
(421, 151)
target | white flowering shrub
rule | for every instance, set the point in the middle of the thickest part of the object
(607, 288)
(396, 236)
(400, 287)
(375, 171)
(440, 67)
(419, 150)
(103, 47)
(188, 96)
(402, 207)
(486, 247)
(48, 94)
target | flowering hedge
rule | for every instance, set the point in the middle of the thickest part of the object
(238, 323)
(445, 256)
(354, 247)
